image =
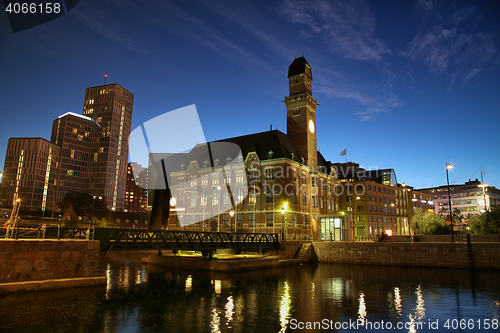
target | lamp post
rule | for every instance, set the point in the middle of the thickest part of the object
(407, 209)
(231, 213)
(93, 203)
(218, 216)
(448, 167)
(484, 193)
(283, 223)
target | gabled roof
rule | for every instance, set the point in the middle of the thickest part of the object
(262, 144)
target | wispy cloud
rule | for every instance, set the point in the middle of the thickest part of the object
(371, 104)
(347, 27)
(452, 43)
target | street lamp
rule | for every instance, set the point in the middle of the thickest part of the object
(218, 216)
(407, 209)
(484, 193)
(448, 167)
(232, 214)
(283, 222)
(93, 203)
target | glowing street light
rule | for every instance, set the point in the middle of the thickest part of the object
(283, 210)
(232, 214)
(448, 167)
(484, 186)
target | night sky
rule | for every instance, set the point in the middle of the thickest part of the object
(408, 85)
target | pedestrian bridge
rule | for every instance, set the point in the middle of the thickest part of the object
(121, 239)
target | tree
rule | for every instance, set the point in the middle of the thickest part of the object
(488, 223)
(428, 223)
(81, 200)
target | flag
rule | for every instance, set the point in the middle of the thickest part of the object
(343, 152)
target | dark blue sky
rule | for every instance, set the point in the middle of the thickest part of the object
(408, 85)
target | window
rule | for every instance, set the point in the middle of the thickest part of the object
(296, 112)
(240, 194)
(251, 219)
(203, 199)
(294, 175)
(215, 179)
(225, 220)
(269, 173)
(293, 220)
(180, 183)
(322, 202)
(254, 175)
(252, 199)
(204, 180)
(194, 181)
(304, 221)
(294, 197)
(304, 198)
(180, 201)
(269, 219)
(239, 219)
(227, 179)
(215, 199)
(225, 199)
(192, 201)
(269, 196)
(313, 181)
(239, 177)
(304, 179)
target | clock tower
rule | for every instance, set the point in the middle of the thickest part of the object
(301, 111)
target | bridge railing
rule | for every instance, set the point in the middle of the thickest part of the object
(121, 239)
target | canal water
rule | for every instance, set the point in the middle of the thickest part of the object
(302, 298)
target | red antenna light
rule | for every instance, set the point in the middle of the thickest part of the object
(105, 77)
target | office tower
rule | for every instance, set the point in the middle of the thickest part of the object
(110, 106)
(30, 170)
(136, 198)
(72, 132)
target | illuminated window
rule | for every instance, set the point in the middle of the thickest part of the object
(239, 177)
(269, 173)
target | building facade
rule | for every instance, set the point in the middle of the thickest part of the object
(30, 173)
(282, 184)
(375, 202)
(73, 133)
(471, 198)
(136, 198)
(110, 106)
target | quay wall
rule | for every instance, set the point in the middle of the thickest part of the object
(483, 255)
(33, 259)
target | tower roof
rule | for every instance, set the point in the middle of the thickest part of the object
(298, 66)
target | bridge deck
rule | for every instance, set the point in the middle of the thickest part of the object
(121, 239)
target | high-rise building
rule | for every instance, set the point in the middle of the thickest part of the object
(136, 198)
(110, 106)
(87, 153)
(73, 133)
(30, 173)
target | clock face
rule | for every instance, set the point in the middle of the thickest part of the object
(311, 126)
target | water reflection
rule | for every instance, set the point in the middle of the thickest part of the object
(141, 298)
(189, 283)
(229, 310)
(284, 311)
(362, 307)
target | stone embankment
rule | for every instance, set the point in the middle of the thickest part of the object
(435, 254)
(48, 264)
